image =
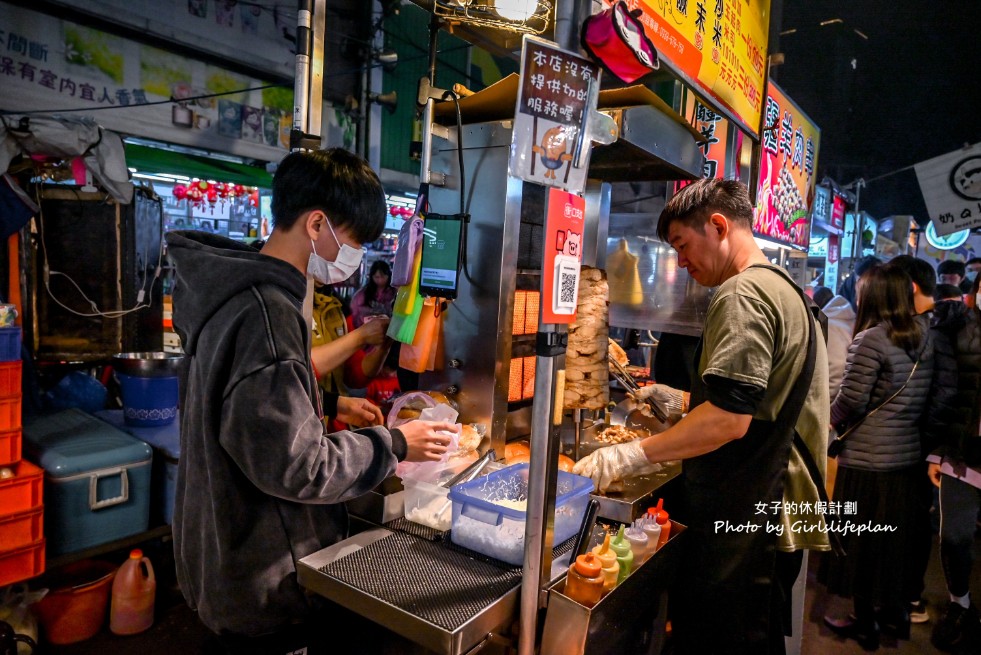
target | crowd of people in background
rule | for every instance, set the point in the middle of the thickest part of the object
(904, 355)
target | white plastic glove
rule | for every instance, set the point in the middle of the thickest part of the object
(671, 399)
(612, 463)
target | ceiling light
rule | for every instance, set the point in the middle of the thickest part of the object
(516, 10)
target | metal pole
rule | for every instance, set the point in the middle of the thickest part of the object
(425, 160)
(542, 476)
(304, 46)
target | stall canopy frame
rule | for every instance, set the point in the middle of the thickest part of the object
(157, 160)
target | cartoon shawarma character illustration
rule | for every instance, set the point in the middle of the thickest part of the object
(552, 150)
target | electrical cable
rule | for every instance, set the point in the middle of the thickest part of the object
(96, 312)
(463, 185)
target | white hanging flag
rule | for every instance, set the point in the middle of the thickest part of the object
(951, 188)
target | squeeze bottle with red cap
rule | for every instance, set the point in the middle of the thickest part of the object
(625, 556)
(608, 560)
(133, 591)
(584, 584)
(662, 519)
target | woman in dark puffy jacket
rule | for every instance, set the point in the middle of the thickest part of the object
(885, 389)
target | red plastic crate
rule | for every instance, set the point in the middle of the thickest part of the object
(10, 447)
(10, 373)
(10, 413)
(21, 529)
(22, 563)
(23, 492)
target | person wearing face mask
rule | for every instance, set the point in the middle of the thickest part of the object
(261, 482)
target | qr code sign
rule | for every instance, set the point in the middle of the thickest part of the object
(567, 288)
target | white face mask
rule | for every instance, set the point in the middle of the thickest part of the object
(347, 262)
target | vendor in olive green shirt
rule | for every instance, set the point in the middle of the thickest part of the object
(748, 493)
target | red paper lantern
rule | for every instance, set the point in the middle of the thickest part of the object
(203, 185)
(254, 197)
(195, 193)
(212, 195)
(239, 190)
(180, 191)
(222, 190)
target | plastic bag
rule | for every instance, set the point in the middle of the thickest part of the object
(15, 609)
(428, 471)
(420, 355)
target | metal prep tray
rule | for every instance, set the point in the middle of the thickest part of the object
(638, 493)
(420, 586)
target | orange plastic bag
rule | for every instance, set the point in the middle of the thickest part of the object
(419, 356)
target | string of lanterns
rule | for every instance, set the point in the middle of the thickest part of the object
(202, 193)
(396, 211)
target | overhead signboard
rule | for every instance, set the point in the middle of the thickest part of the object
(48, 64)
(787, 172)
(557, 92)
(951, 188)
(717, 46)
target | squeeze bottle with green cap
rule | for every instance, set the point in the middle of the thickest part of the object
(638, 543)
(652, 530)
(662, 519)
(625, 556)
(584, 584)
(608, 560)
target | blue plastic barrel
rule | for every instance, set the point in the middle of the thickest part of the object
(148, 402)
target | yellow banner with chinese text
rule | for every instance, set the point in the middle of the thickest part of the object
(718, 46)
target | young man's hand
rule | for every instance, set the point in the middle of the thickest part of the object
(427, 440)
(358, 412)
(933, 470)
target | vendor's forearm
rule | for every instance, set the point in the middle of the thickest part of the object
(703, 430)
(328, 356)
(373, 361)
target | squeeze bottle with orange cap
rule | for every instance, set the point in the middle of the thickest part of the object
(584, 584)
(625, 556)
(608, 560)
(662, 519)
(133, 591)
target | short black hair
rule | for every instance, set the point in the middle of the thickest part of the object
(973, 260)
(948, 292)
(951, 267)
(918, 270)
(866, 264)
(694, 204)
(335, 181)
(822, 296)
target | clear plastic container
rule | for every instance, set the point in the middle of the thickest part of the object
(133, 592)
(427, 503)
(489, 512)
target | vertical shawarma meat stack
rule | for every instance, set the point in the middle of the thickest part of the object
(587, 376)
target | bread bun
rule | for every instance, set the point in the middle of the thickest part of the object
(518, 458)
(409, 414)
(566, 463)
(469, 438)
(438, 396)
(516, 448)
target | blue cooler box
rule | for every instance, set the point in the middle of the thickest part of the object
(166, 443)
(96, 480)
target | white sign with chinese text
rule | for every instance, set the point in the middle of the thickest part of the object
(951, 188)
(549, 144)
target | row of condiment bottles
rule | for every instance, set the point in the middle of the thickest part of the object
(599, 571)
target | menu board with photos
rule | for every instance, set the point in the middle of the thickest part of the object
(788, 168)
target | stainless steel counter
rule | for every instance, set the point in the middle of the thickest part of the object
(443, 597)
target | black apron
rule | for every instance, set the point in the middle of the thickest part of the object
(725, 600)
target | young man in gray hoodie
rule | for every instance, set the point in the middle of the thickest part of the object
(261, 483)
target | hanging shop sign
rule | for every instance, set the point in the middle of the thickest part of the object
(862, 227)
(558, 90)
(831, 262)
(945, 241)
(788, 162)
(564, 222)
(951, 188)
(715, 134)
(717, 46)
(48, 64)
